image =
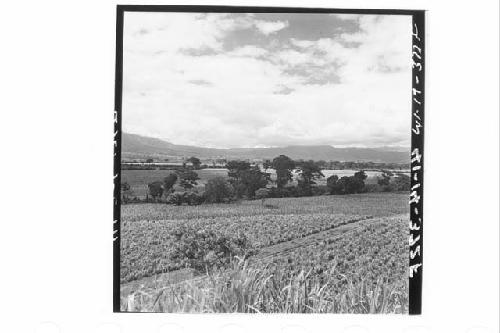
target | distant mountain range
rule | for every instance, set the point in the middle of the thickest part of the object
(138, 147)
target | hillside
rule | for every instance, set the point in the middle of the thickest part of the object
(136, 146)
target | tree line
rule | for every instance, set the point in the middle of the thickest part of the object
(332, 165)
(247, 181)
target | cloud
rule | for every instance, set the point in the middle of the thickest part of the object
(268, 28)
(249, 51)
(347, 17)
(181, 82)
(200, 82)
(284, 90)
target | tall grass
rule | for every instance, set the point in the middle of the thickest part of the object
(272, 289)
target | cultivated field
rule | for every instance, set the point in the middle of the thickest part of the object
(342, 254)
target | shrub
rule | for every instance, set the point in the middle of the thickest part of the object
(284, 192)
(218, 190)
(190, 198)
(169, 182)
(156, 189)
(207, 250)
(126, 192)
(387, 182)
(188, 178)
(371, 188)
(275, 192)
(385, 179)
(319, 190)
(193, 198)
(262, 193)
(175, 199)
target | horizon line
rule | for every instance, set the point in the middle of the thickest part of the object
(272, 147)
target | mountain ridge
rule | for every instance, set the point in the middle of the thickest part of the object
(136, 146)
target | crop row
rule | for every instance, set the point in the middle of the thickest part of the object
(374, 204)
(364, 270)
(147, 245)
(374, 251)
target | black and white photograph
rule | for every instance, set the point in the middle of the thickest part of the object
(266, 162)
(236, 166)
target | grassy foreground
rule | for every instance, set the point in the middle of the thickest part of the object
(273, 290)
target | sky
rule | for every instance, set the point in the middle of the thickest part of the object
(268, 80)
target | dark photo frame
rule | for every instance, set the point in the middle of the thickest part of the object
(417, 93)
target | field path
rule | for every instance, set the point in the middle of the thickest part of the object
(335, 233)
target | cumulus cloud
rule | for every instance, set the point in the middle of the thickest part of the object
(268, 28)
(182, 84)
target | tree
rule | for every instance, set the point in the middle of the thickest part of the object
(283, 166)
(236, 167)
(309, 171)
(332, 184)
(218, 190)
(221, 161)
(253, 179)
(348, 165)
(267, 164)
(235, 170)
(345, 185)
(195, 161)
(351, 185)
(402, 182)
(246, 179)
(188, 179)
(169, 182)
(322, 164)
(361, 175)
(149, 160)
(156, 189)
(384, 180)
(262, 193)
(388, 172)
